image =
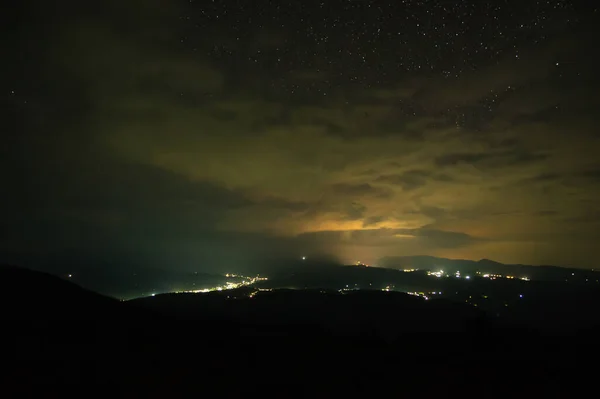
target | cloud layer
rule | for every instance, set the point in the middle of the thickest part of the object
(152, 150)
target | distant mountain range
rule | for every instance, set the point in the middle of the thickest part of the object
(486, 266)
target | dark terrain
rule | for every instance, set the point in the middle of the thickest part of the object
(311, 342)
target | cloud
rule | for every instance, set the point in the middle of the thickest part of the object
(592, 174)
(357, 190)
(444, 239)
(355, 243)
(139, 144)
(524, 68)
(373, 220)
(490, 159)
(413, 179)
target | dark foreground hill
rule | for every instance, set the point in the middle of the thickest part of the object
(27, 294)
(284, 343)
(558, 306)
(385, 315)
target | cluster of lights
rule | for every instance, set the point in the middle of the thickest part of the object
(441, 273)
(229, 285)
(419, 294)
(410, 270)
(495, 276)
(437, 274)
(348, 288)
(458, 275)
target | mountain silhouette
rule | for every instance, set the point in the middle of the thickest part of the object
(248, 341)
(540, 272)
(28, 294)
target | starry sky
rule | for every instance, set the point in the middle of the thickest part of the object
(221, 133)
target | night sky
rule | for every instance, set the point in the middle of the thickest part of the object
(215, 134)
